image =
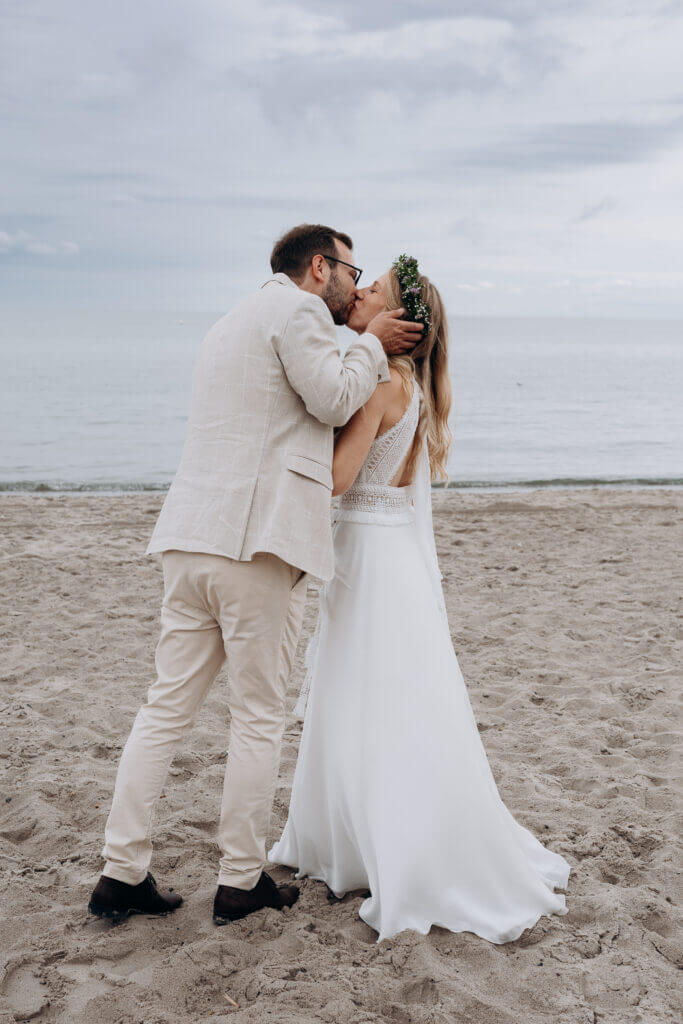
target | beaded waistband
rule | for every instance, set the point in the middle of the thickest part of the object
(374, 503)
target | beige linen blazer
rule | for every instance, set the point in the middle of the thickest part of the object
(268, 386)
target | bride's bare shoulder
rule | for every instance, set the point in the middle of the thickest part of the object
(395, 400)
(398, 381)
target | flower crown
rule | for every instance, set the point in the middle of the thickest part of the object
(408, 277)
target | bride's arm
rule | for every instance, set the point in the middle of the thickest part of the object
(352, 442)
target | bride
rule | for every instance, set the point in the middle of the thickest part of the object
(392, 791)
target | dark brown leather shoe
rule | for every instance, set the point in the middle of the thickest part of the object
(115, 899)
(230, 903)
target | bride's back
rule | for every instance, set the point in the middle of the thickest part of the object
(386, 459)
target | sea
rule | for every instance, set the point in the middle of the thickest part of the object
(97, 401)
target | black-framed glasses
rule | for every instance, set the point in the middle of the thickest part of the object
(336, 260)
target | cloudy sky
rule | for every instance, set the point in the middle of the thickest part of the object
(529, 153)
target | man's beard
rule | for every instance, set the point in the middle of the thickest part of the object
(333, 296)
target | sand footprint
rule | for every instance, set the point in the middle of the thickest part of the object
(24, 991)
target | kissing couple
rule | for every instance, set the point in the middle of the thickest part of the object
(392, 794)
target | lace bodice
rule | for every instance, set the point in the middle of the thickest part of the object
(372, 498)
(388, 451)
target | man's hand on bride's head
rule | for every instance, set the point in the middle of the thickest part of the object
(397, 336)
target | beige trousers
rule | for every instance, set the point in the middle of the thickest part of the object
(213, 607)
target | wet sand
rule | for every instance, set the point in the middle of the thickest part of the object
(563, 617)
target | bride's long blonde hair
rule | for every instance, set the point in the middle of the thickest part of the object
(429, 362)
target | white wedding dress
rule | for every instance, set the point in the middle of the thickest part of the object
(392, 790)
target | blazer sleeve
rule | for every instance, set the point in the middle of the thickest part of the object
(332, 387)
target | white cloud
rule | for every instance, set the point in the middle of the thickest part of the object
(512, 146)
(480, 286)
(21, 242)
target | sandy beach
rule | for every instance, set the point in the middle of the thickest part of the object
(562, 611)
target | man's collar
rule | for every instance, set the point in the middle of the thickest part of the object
(282, 279)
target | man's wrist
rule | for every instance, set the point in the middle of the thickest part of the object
(383, 374)
(372, 338)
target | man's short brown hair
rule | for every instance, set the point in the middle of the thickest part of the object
(293, 252)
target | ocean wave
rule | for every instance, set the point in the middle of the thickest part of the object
(65, 487)
(137, 487)
(567, 482)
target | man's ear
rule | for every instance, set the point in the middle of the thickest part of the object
(317, 265)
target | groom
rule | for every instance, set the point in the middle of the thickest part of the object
(245, 521)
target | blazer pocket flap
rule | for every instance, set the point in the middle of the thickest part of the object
(310, 468)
